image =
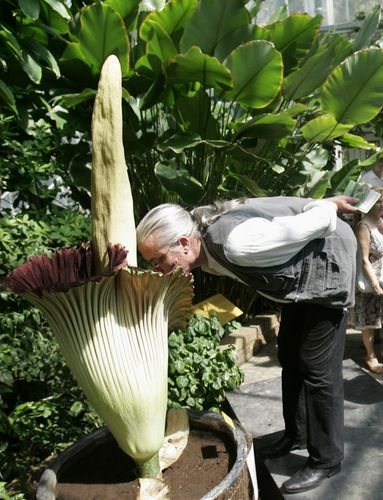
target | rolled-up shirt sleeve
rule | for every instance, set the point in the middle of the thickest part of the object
(260, 242)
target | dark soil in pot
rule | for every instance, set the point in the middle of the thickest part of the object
(213, 466)
(204, 463)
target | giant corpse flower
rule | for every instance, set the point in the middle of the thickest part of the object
(112, 330)
(111, 320)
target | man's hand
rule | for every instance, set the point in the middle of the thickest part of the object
(344, 203)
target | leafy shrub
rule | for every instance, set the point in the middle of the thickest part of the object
(199, 370)
(28, 234)
(42, 410)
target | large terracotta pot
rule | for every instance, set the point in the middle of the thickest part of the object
(218, 451)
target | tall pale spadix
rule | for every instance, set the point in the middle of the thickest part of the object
(112, 202)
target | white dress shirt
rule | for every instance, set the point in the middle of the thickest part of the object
(258, 242)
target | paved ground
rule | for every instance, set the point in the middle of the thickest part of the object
(257, 405)
(264, 365)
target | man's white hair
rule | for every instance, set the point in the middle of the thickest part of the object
(168, 222)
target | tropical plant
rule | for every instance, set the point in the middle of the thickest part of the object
(218, 106)
(111, 321)
(214, 105)
(40, 151)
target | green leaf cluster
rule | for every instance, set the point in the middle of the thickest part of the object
(27, 234)
(214, 104)
(41, 407)
(42, 410)
(200, 371)
(217, 106)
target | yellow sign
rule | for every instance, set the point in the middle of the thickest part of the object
(225, 310)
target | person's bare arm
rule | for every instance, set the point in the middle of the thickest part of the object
(364, 240)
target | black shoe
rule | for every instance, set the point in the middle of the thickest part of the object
(282, 447)
(308, 478)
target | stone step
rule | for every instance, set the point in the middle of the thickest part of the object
(258, 407)
(247, 340)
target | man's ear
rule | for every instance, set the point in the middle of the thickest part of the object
(186, 244)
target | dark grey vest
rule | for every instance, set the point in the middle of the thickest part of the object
(323, 272)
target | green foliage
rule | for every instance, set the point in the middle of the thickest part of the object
(214, 105)
(25, 166)
(240, 109)
(4, 495)
(41, 408)
(237, 109)
(25, 234)
(200, 372)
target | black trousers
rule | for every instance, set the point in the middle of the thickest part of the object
(311, 344)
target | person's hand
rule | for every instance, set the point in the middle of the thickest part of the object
(377, 290)
(344, 203)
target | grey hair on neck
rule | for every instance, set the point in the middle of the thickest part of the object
(207, 214)
(169, 222)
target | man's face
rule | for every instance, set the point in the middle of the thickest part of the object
(165, 258)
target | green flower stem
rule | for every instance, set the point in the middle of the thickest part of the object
(149, 467)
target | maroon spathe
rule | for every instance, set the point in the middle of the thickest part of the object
(65, 269)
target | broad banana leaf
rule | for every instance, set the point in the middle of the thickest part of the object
(194, 66)
(268, 126)
(30, 8)
(172, 18)
(179, 181)
(193, 115)
(324, 128)
(315, 70)
(257, 72)
(356, 141)
(292, 36)
(242, 34)
(154, 93)
(100, 22)
(353, 93)
(126, 8)
(368, 29)
(249, 184)
(212, 21)
(159, 48)
(297, 108)
(178, 143)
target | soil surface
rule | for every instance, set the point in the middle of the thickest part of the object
(108, 474)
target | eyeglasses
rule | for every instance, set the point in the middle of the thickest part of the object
(156, 261)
